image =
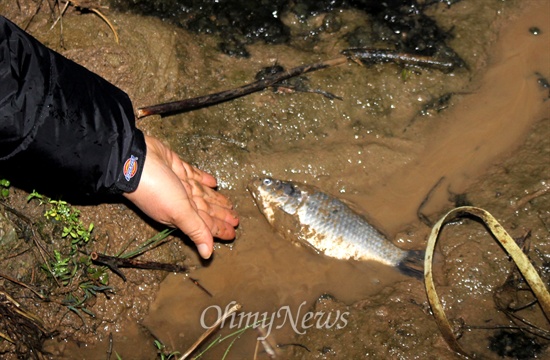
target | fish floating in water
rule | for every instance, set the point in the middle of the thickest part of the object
(329, 226)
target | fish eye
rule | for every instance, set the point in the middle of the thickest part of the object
(267, 181)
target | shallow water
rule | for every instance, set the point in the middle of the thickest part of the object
(490, 118)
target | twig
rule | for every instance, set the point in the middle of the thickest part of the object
(15, 281)
(7, 338)
(16, 212)
(114, 263)
(263, 339)
(419, 213)
(530, 328)
(61, 15)
(90, 9)
(110, 348)
(26, 28)
(104, 18)
(16, 255)
(206, 100)
(207, 333)
(375, 56)
(196, 282)
(524, 200)
(17, 308)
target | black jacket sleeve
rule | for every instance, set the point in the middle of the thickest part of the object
(63, 129)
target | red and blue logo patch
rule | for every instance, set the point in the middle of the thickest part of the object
(130, 167)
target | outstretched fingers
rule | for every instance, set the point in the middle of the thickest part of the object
(187, 172)
(212, 205)
(219, 228)
(184, 197)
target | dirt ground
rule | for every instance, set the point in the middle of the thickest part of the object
(477, 135)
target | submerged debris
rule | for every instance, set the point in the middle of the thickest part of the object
(515, 344)
(295, 84)
(375, 56)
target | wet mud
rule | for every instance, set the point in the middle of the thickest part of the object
(485, 142)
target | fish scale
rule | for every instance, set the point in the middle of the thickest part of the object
(339, 225)
(328, 225)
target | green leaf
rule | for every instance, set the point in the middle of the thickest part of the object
(34, 195)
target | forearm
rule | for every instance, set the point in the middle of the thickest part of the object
(62, 126)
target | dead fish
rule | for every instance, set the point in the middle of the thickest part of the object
(324, 223)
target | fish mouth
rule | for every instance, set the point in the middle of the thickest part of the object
(254, 188)
(255, 182)
(254, 185)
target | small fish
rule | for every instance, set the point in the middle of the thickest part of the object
(315, 219)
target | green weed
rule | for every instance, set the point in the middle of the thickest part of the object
(69, 265)
(68, 217)
(71, 270)
(62, 268)
(149, 244)
(4, 188)
(161, 351)
(235, 335)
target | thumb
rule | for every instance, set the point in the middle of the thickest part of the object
(194, 227)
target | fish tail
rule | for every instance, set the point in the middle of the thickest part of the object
(413, 264)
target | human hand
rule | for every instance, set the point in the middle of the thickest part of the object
(175, 193)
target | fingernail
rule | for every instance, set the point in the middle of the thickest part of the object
(204, 251)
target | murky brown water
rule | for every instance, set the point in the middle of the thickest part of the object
(264, 273)
(370, 149)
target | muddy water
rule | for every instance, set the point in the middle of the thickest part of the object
(487, 124)
(489, 120)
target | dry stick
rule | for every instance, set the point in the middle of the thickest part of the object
(367, 56)
(206, 100)
(207, 333)
(61, 15)
(114, 263)
(376, 56)
(6, 337)
(93, 10)
(196, 282)
(110, 348)
(17, 308)
(524, 200)
(269, 348)
(33, 15)
(104, 18)
(15, 281)
(16, 255)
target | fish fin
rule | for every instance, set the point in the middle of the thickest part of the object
(413, 264)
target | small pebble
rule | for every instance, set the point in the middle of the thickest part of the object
(534, 30)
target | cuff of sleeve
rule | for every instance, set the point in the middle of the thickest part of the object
(132, 166)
